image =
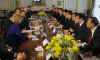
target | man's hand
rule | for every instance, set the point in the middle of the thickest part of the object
(71, 30)
(23, 31)
(10, 49)
(30, 36)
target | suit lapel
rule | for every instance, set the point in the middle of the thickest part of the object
(95, 32)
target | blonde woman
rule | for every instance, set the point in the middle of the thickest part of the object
(15, 36)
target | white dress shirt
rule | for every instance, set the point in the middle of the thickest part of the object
(81, 23)
(93, 30)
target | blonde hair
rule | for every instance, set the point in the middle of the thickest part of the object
(16, 18)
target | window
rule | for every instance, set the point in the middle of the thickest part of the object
(96, 9)
(37, 1)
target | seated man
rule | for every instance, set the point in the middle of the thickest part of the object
(81, 30)
(5, 51)
(94, 36)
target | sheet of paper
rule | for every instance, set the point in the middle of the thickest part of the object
(45, 42)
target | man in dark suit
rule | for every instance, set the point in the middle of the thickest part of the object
(5, 51)
(74, 25)
(29, 12)
(53, 12)
(60, 16)
(94, 35)
(25, 22)
(68, 20)
(82, 30)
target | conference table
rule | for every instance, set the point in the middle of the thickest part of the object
(42, 30)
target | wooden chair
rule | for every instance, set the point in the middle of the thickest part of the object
(29, 48)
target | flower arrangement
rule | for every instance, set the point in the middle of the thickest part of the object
(63, 46)
(42, 13)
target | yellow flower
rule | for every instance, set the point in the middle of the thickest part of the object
(42, 13)
(75, 49)
(52, 41)
(74, 42)
(54, 38)
(57, 44)
(68, 37)
(57, 48)
(47, 47)
(57, 53)
(58, 37)
(65, 49)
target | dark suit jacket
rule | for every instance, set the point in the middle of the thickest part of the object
(3, 48)
(54, 14)
(51, 12)
(82, 33)
(60, 18)
(25, 23)
(95, 43)
(67, 24)
(94, 46)
(4, 54)
(75, 27)
(28, 14)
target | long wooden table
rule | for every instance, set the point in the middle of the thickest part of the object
(29, 46)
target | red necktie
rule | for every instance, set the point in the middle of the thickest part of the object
(77, 58)
(90, 38)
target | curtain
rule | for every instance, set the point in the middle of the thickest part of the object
(90, 7)
(12, 4)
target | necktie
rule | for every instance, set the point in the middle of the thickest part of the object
(90, 38)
